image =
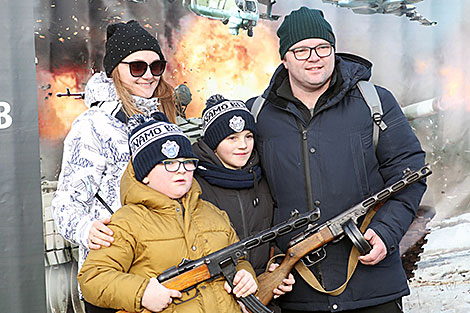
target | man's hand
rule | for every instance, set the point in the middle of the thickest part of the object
(100, 234)
(286, 285)
(157, 297)
(245, 284)
(378, 252)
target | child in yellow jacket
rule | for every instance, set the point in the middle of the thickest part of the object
(163, 220)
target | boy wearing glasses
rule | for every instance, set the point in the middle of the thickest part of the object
(163, 220)
(314, 136)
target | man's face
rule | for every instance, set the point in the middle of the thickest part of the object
(314, 73)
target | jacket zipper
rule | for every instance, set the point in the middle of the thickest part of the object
(316, 268)
(245, 227)
(242, 211)
(308, 179)
(182, 207)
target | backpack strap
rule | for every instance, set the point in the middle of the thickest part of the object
(370, 95)
(257, 106)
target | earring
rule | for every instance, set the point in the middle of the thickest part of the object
(145, 180)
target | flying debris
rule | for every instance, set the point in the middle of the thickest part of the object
(397, 7)
(238, 14)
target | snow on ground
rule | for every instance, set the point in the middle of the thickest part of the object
(442, 280)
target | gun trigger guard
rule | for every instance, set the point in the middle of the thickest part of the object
(178, 301)
(351, 230)
(314, 257)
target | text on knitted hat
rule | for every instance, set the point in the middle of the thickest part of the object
(149, 134)
(211, 114)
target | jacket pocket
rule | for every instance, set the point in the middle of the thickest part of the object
(359, 149)
(270, 162)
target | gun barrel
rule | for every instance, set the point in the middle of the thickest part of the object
(422, 109)
(281, 229)
(336, 224)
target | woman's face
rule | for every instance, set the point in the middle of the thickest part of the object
(145, 85)
(235, 150)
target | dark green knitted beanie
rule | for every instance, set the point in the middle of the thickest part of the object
(302, 24)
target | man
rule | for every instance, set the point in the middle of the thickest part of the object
(314, 135)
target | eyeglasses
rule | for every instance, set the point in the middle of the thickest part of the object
(303, 53)
(173, 165)
(139, 68)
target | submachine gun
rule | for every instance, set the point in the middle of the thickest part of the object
(75, 95)
(311, 242)
(188, 274)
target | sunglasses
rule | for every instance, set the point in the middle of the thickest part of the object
(139, 68)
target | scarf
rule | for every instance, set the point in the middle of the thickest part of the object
(211, 169)
(228, 178)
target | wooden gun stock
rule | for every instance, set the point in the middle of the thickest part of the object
(190, 273)
(344, 223)
(184, 281)
(268, 281)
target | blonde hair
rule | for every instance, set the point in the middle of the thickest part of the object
(164, 92)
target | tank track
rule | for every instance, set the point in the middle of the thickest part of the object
(412, 243)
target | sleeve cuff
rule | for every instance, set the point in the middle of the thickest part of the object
(83, 229)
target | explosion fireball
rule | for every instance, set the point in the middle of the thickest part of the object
(209, 60)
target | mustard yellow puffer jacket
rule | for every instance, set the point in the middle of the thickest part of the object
(151, 235)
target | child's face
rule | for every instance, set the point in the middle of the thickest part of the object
(173, 184)
(235, 150)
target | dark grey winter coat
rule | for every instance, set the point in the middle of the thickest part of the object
(334, 150)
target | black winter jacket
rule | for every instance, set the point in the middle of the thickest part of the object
(330, 157)
(250, 210)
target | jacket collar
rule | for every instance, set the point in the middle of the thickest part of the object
(101, 92)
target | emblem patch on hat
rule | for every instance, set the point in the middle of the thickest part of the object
(170, 149)
(237, 123)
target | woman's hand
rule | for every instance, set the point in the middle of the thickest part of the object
(245, 284)
(157, 297)
(100, 234)
(286, 285)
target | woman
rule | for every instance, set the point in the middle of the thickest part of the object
(96, 149)
(162, 212)
(230, 175)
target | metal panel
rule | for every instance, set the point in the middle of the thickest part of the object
(22, 275)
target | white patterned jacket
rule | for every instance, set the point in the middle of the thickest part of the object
(96, 153)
